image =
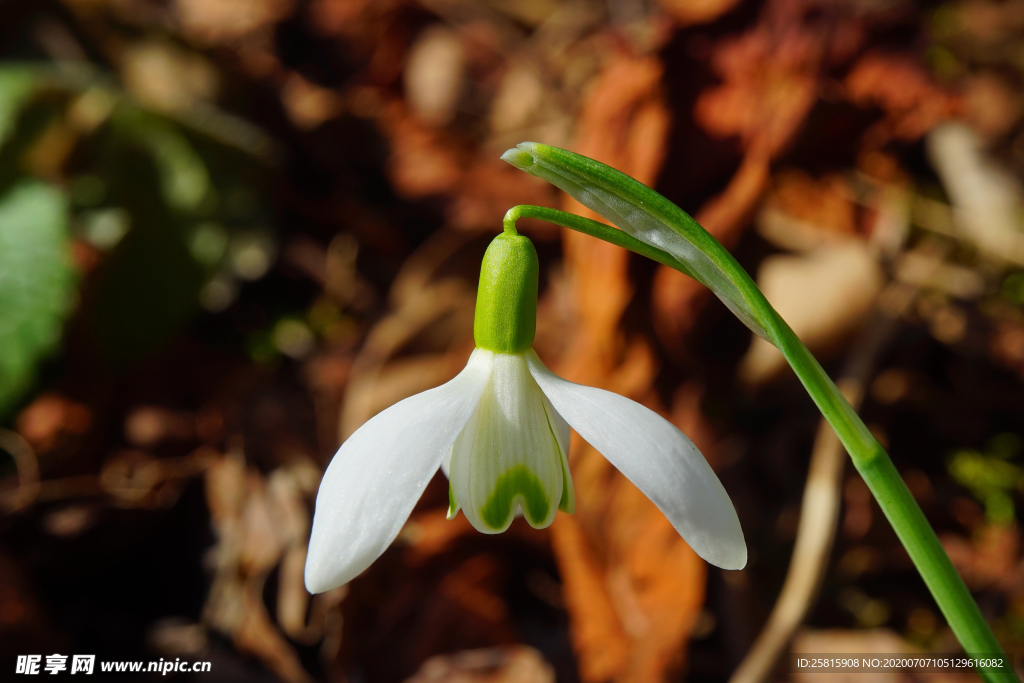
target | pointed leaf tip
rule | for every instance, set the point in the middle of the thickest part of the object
(519, 158)
(650, 218)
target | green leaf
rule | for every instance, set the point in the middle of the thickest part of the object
(660, 230)
(648, 217)
(148, 286)
(184, 178)
(36, 282)
(16, 87)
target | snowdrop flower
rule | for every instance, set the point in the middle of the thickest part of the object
(500, 431)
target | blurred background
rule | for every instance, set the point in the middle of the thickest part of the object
(233, 230)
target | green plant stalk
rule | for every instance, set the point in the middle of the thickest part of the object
(870, 459)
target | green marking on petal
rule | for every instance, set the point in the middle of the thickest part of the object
(453, 505)
(517, 483)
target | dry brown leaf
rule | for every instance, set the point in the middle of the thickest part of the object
(431, 533)
(472, 585)
(48, 418)
(488, 189)
(986, 196)
(261, 539)
(824, 295)
(902, 88)
(338, 16)
(992, 105)
(257, 634)
(690, 12)
(627, 91)
(225, 489)
(770, 76)
(434, 75)
(22, 619)
(597, 633)
(1006, 346)
(218, 21)
(130, 476)
(259, 525)
(420, 164)
(377, 383)
(632, 586)
(677, 299)
(991, 557)
(167, 78)
(509, 664)
(307, 104)
(146, 426)
(825, 203)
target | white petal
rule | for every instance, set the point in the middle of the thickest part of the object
(658, 458)
(446, 463)
(379, 473)
(507, 456)
(561, 430)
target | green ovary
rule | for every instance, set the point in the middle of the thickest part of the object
(506, 304)
(517, 486)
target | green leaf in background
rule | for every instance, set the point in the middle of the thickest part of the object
(16, 86)
(36, 282)
(184, 178)
(148, 286)
(990, 477)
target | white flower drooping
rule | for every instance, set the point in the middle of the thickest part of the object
(500, 431)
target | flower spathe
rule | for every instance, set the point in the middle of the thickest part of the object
(500, 431)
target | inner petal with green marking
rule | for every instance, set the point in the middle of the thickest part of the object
(511, 455)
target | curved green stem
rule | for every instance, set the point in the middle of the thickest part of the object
(870, 459)
(594, 229)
